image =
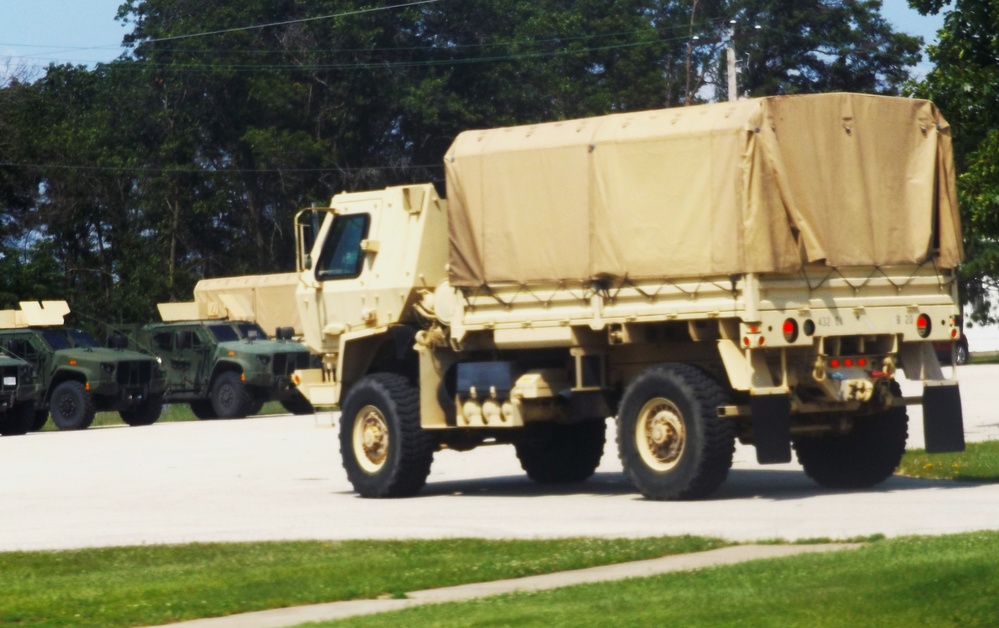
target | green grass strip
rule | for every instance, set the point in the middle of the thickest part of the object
(915, 581)
(979, 462)
(158, 584)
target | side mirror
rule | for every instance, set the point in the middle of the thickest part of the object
(284, 333)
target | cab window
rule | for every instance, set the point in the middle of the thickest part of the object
(163, 341)
(223, 332)
(341, 257)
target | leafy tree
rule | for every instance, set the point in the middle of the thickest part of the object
(964, 83)
(188, 156)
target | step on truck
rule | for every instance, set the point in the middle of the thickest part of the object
(77, 376)
(18, 394)
(760, 271)
(224, 367)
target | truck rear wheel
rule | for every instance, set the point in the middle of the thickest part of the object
(671, 442)
(72, 407)
(145, 413)
(384, 450)
(17, 420)
(867, 455)
(230, 397)
(561, 454)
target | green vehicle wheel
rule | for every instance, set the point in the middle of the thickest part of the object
(146, 413)
(231, 398)
(72, 407)
(18, 420)
(202, 408)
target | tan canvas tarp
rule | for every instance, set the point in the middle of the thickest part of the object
(268, 300)
(752, 186)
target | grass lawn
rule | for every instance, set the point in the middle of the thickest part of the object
(158, 584)
(171, 412)
(915, 581)
(979, 462)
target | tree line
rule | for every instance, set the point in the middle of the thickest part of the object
(123, 184)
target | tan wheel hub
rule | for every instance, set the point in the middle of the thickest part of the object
(371, 439)
(660, 434)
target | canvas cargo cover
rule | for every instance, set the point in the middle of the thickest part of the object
(269, 300)
(760, 185)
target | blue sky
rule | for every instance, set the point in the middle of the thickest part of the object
(34, 33)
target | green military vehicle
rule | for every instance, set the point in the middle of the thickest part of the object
(18, 392)
(77, 376)
(225, 368)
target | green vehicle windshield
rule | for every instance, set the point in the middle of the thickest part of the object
(66, 338)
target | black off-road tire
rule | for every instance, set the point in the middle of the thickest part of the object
(562, 454)
(297, 404)
(41, 418)
(145, 413)
(202, 408)
(961, 354)
(864, 457)
(231, 398)
(72, 406)
(18, 420)
(256, 405)
(671, 442)
(384, 450)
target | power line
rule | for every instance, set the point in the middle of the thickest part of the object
(287, 22)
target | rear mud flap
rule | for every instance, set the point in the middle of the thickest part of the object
(943, 419)
(771, 428)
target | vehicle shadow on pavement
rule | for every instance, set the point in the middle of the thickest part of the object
(777, 485)
(601, 483)
(780, 485)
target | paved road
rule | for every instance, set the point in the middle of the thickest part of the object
(280, 478)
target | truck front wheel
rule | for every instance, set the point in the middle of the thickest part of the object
(384, 450)
(559, 454)
(671, 442)
(230, 397)
(72, 407)
(867, 455)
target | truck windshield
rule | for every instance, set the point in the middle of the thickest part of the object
(341, 257)
(223, 333)
(66, 338)
(251, 331)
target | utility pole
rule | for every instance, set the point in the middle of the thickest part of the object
(733, 89)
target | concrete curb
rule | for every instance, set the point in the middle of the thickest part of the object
(281, 617)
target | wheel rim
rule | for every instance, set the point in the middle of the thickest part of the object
(66, 406)
(371, 439)
(227, 396)
(660, 434)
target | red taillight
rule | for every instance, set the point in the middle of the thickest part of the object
(848, 363)
(834, 363)
(790, 330)
(923, 325)
(953, 333)
(861, 361)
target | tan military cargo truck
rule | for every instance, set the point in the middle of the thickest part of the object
(759, 270)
